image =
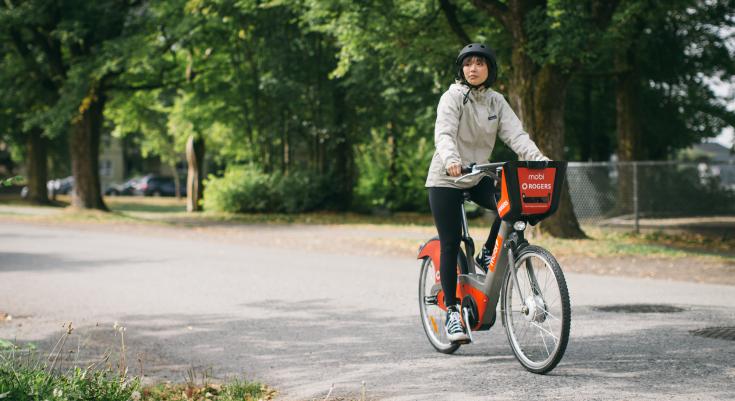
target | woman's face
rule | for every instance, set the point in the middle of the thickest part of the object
(475, 70)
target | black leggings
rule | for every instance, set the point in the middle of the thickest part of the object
(445, 206)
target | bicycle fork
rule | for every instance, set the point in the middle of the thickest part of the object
(511, 246)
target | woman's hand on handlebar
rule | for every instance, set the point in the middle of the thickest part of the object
(454, 169)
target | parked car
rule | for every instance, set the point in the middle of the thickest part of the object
(127, 188)
(155, 185)
(59, 186)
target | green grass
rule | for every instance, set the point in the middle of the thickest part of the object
(171, 211)
(609, 242)
(25, 376)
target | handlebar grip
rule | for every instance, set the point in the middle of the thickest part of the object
(465, 169)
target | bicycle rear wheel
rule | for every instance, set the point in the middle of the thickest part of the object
(537, 322)
(433, 318)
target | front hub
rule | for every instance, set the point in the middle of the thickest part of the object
(533, 309)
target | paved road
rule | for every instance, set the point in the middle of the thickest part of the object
(302, 320)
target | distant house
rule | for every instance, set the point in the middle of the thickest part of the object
(118, 162)
(715, 152)
(715, 160)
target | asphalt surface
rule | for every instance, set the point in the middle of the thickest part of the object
(302, 320)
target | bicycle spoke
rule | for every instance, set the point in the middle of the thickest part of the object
(545, 346)
(534, 324)
(550, 314)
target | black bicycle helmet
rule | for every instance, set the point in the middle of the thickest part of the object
(478, 49)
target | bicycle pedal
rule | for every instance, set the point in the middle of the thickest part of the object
(462, 342)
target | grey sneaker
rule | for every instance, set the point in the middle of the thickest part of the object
(455, 331)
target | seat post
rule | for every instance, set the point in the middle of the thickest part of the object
(465, 226)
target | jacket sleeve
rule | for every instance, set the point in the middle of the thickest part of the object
(511, 132)
(445, 129)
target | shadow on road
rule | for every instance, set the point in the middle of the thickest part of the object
(21, 261)
(301, 348)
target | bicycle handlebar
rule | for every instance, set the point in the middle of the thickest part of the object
(490, 169)
(477, 169)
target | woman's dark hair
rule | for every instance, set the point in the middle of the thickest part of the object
(481, 50)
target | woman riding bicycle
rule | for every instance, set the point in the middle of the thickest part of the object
(470, 116)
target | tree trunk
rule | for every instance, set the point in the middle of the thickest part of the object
(195, 159)
(392, 166)
(177, 181)
(37, 167)
(589, 134)
(550, 90)
(285, 145)
(344, 160)
(537, 95)
(84, 148)
(628, 131)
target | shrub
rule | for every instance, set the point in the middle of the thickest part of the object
(400, 190)
(246, 189)
(241, 189)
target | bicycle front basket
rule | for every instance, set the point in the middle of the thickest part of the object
(530, 190)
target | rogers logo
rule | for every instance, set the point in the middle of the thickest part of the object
(494, 258)
(503, 206)
(537, 177)
(526, 185)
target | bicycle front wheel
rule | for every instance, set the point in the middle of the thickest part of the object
(536, 318)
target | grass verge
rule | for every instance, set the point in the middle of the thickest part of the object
(609, 242)
(26, 376)
(602, 242)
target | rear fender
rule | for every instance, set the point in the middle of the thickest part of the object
(431, 249)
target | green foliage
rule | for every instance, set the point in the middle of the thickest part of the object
(23, 379)
(562, 33)
(246, 189)
(6, 182)
(346, 89)
(672, 51)
(394, 181)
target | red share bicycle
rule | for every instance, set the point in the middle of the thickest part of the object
(525, 278)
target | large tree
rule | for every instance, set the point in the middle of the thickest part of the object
(80, 49)
(550, 41)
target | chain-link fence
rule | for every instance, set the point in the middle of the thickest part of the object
(603, 192)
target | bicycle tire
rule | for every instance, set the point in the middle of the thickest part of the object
(539, 303)
(432, 317)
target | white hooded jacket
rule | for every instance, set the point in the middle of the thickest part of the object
(466, 133)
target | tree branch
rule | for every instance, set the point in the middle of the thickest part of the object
(496, 9)
(52, 51)
(449, 12)
(30, 60)
(146, 86)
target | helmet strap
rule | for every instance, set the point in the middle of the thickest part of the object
(470, 87)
